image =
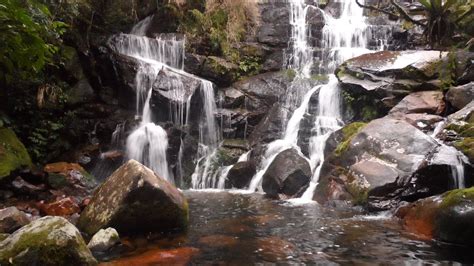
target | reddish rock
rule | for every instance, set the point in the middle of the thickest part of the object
(418, 218)
(179, 256)
(62, 207)
(63, 168)
(274, 249)
(430, 102)
(218, 241)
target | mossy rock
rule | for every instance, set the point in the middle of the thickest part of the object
(46, 241)
(13, 154)
(348, 132)
(466, 146)
(453, 223)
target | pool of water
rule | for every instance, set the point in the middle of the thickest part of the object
(241, 229)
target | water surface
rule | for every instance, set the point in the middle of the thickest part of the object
(242, 229)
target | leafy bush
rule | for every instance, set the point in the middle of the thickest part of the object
(445, 18)
(29, 38)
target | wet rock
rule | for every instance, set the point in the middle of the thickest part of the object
(46, 241)
(386, 161)
(274, 28)
(424, 122)
(241, 174)
(274, 249)
(218, 241)
(447, 217)
(63, 207)
(178, 256)
(12, 219)
(104, 240)
(71, 178)
(80, 93)
(461, 96)
(13, 154)
(219, 71)
(430, 102)
(288, 174)
(127, 196)
(270, 128)
(386, 77)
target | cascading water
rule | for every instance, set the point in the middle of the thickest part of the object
(149, 142)
(343, 38)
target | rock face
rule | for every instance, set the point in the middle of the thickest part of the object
(11, 219)
(461, 96)
(104, 240)
(386, 161)
(289, 174)
(46, 241)
(13, 154)
(240, 175)
(447, 217)
(374, 83)
(430, 102)
(129, 194)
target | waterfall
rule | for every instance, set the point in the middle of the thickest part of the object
(148, 143)
(455, 158)
(343, 38)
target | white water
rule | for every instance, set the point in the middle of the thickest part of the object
(149, 142)
(345, 37)
(453, 157)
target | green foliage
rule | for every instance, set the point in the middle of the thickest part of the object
(446, 18)
(29, 38)
(250, 65)
(447, 71)
(207, 29)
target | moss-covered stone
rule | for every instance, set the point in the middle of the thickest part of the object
(456, 196)
(466, 146)
(13, 154)
(348, 132)
(130, 194)
(46, 241)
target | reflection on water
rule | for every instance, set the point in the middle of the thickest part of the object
(248, 228)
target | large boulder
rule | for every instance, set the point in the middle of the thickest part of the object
(383, 162)
(127, 196)
(430, 102)
(382, 79)
(287, 176)
(447, 217)
(461, 96)
(13, 154)
(240, 175)
(46, 241)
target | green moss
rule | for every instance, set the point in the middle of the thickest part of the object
(34, 244)
(290, 74)
(456, 196)
(13, 154)
(348, 133)
(467, 147)
(369, 112)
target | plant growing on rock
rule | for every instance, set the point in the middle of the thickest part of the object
(444, 19)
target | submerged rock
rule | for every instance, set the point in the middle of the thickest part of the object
(447, 217)
(11, 219)
(104, 240)
(46, 241)
(130, 194)
(289, 174)
(13, 154)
